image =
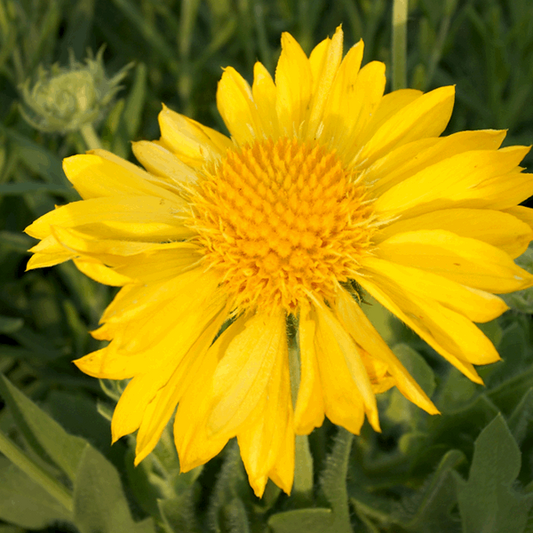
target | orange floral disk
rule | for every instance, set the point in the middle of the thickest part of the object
(325, 189)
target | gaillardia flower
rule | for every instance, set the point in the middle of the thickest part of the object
(242, 259)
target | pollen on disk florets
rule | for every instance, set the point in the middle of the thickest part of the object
(281, 220)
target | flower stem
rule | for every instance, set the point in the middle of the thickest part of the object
(399, 44)
(92, 141)
(303, 470)
(303, 461)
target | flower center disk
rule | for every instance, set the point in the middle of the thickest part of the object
(282, 220)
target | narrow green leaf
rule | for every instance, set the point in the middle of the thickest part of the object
(148, 31)
(43, 162)
(487, 501)
(135, 101)
(44, 435)
(99, 502)
(31, 187)
(36, 472)
(24, 502)
(16, 241)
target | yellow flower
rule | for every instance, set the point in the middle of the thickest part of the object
(326, 188)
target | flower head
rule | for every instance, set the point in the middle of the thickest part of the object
(64, 99)
(326, 188)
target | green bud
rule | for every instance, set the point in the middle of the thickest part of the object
(67, 98)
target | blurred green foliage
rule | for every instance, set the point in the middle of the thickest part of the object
(420, 474)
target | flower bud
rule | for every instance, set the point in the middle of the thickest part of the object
(66, 98)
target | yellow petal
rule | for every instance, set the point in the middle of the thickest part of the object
(243, 374)
(416, 325)
(503, 192)
(48, 252)
(160, 360)
(408, 159)
(342, 101)
(95, 176)
(425, 117)
(122, 217)
(387, 107)
(364, 333)
(282, 473)
(162, 407)
(93, 269)
(237, 108)
(83, 243)
(461, 259)
(471, 179)
(264, 95)
(353, 100)
(452, 335)
(192, 142)
(161, 264)
(194, 443)
(345, 352)
(525, 214)
(496, 228)
(108, 364)
(476, 305)
(130, 408)
(193, 301)
(262, 437)
(294, 82)
(158, 160)
(324, 61)
(309, 411)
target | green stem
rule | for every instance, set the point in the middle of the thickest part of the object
(303, 461)
(92, 141)
(56, 489)
(399, 44)
(333, 481)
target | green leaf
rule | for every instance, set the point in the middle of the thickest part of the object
(43, 434)
(522, 416)
(430, 508)
(24, 502)
(456, 391)
(487, 501)
(507, 395)
(309, 520)
(99, 502)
